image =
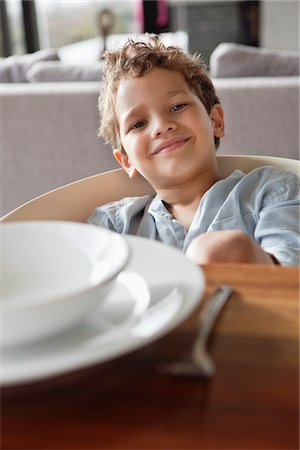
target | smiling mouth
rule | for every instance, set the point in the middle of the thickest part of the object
(170, 146)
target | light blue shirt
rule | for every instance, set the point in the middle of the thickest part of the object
(263, 203)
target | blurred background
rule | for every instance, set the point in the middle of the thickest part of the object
(53, 48)
(28, 26)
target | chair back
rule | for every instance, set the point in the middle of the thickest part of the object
(76, 201)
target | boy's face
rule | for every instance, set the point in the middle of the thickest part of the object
(165, 130)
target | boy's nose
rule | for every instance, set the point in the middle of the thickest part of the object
(162, 126)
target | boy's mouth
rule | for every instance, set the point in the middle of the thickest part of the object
(170, 145)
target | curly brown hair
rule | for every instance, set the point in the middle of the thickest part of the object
(136, 59)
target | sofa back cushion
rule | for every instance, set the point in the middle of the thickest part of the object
(51, 71)
(236, 60)
(14, 68)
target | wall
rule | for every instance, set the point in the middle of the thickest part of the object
(212, 21)
(279, 26)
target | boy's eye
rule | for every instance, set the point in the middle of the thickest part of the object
(137, 125)
(178, 107)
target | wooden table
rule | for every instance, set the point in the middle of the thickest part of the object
(251, 403)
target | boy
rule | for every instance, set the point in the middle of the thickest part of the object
(160, 112)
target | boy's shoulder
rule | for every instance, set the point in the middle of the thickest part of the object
(271, 182)
(125, 207)
(115, 215)
(137, 202)
(270, 174)
(263, 178)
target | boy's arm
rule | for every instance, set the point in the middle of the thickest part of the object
(227, 246)
(276, 237)
(277, 230)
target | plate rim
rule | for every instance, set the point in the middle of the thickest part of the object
(137, 246)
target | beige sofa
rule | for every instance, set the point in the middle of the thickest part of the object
(48, 131)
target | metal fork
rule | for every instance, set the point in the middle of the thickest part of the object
(199, 363)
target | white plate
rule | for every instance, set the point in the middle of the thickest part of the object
(162, 288)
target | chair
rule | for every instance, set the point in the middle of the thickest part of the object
(76, 201)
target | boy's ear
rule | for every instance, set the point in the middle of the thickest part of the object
(217, 118)
(124, 161)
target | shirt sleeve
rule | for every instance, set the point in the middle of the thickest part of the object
(277, 229)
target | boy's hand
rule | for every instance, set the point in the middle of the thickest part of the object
(232, 246)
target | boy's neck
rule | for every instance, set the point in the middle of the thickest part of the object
(182, 201)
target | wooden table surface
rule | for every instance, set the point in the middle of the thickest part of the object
(251, 403)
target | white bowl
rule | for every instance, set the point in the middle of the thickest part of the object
(52, 274)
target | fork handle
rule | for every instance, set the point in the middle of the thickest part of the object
(211, 311)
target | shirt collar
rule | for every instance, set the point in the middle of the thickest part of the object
(157, 206)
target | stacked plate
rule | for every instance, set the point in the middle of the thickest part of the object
(74, 294)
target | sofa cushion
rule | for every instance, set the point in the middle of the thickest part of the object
(236, 60)
(51, 71)
(14, 68)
